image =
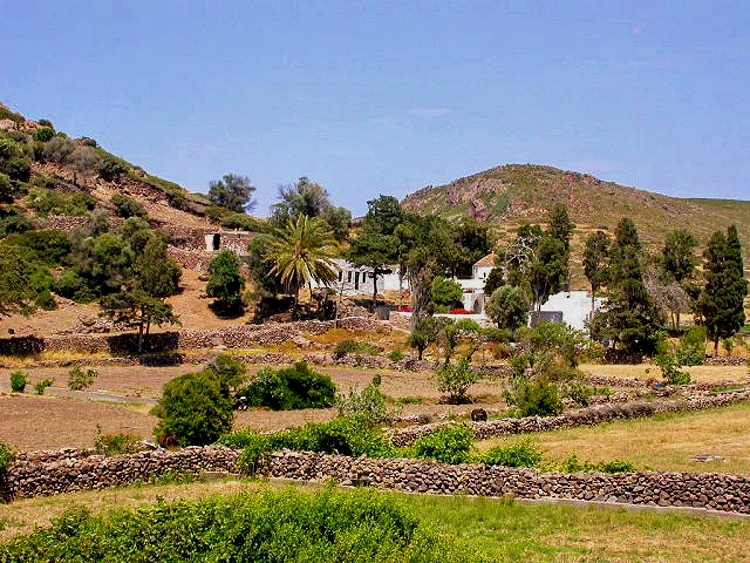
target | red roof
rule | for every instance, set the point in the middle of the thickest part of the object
(486, 262)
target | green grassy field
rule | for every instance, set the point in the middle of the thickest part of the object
(495, 530)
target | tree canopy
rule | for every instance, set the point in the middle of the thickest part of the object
(233, 192)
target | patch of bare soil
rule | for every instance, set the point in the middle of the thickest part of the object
(29, 422)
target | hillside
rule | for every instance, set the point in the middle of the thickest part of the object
(54, 176)
(507, 196)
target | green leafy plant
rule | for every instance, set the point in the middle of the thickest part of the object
(369, 403)
(40, 386)
(692, 348)
(6, 456)
(666, 359)
(18, 381)
(115, 444)
(455, 380)
(520, 454)
(395, 355)
(80, 379)
(449, 444)
(296, 387)
(535, 396)
(128, 207)
(346, 347)
(193, 411)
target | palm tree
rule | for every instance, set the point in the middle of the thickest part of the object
(301, 252)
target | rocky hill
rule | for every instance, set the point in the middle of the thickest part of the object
(509, 195)
(57, 181)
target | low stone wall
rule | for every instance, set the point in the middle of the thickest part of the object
(42, 473)
(53, 472)
(729, 493)
(578, 417)
(725, 361)
(241, 336)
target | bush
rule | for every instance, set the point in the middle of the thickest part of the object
(73, 286)
(193, 411)
(456, 380)
(269, 526)
(424, 334)
(6, 456)
(115, 444)
(112, 169)
(40, 386)
(666, 359)
(449, 444)
(346, 347)
(395, 355)
(80, 379)
(128, 207)
(43, 134)
(692, 348)
(536, 396)
(520, 454)
(229, 372)
(18, 381)
(368, 404)
(46, 202)
(297, 387)
(573, 465)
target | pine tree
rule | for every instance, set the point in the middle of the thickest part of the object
(721, 303)
(595, 262)
(630, 319)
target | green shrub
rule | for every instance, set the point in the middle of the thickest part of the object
(578, 391)
(229, 372)
(535, 396)
(455, 380)
(520, 454)
(80, 379)
(270, 526)
(46, 202)
(346, 347)
(43, 134)
(396, 355)
(6, 456)
(40, 386)
(666, 359)
(346, 435)
(18, 381)
(297, 387)
(369, 404)
(73, 286)
(573, 465)
(128, 207)
(193, 411)
(449, 444)
(692, 348)
(115, 444)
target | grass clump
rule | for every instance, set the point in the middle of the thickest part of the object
(271, 526)
(347, 347)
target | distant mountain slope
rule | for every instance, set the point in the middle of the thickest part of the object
(507, 196)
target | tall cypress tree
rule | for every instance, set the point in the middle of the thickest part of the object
(630, 318)
(721, 303)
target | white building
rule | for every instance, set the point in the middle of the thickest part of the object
(575, 307)
(360, 279)
(473, 298)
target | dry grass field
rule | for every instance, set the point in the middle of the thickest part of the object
(664, 442)
(699, 374)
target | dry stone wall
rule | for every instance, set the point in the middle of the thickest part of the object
(53, 472)
(730, 493)
(42, 473)
(242, 336)
(578, 417)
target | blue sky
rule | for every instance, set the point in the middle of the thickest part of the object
(387, 97)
